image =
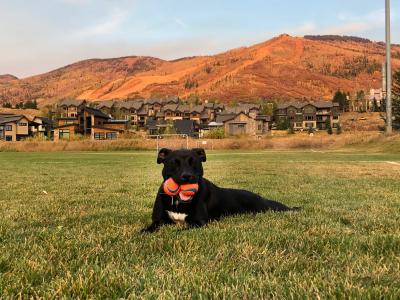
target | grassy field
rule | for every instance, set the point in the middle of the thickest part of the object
(69, 226)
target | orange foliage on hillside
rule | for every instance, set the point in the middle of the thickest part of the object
(283, 67)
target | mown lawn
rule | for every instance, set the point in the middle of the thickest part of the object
(69, 226)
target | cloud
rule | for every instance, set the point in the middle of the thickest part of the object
(108, 26)
(353, 24)
(180, 22)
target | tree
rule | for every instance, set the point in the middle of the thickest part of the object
(283, 124)
(7, 105)
(396, 99)
(328, 126)
(291, 129)
(268, 108)
(340, 97)
(360, 95)
(338, 129)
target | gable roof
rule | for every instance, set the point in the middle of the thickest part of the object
(317, 104)
(184, 126)
(71, 102)
(131, 104)
(106, 104)
(12, 118)
(183, 108)
(170, 107)
(222, 118)
(153, 101)
(96, 112)
(198, 109)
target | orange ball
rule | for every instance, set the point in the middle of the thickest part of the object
(189, 190)
(171, 188)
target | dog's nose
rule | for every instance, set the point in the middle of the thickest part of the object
(186, 177)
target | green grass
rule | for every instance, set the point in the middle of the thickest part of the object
(81, 238)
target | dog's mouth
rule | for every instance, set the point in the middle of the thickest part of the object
(185, 198)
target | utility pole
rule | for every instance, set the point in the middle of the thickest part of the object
(388, 72)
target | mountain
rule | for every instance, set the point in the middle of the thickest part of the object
(7, 78)
(285, 67)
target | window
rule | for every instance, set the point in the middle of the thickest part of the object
(336, 117)
(8, 128)
(298, 125)
(111, 135)
(64, 134)
(8, 138)
(99, 136)
(309, 118)
(259, 127)
(22, 124)
(308, 125)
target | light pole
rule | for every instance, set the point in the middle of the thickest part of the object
(388, 72)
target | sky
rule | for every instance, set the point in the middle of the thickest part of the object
(37, 36)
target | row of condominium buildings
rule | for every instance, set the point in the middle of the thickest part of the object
(107, 120)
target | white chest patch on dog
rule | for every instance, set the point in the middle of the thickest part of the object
(178, 218)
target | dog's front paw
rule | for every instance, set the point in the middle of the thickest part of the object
(150, 229)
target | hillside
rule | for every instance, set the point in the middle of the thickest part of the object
(283, 67)
(7, 78)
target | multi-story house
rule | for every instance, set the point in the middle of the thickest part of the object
(90, 122)
(69, 107)
(128, 110)
(108, 107)
(302, 116)
(243, 123)
(18, 127)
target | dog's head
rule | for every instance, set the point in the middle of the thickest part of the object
(184, 166)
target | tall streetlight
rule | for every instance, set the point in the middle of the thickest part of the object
(388, 72)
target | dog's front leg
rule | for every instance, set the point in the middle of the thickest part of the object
(199, 218)
(159, 216)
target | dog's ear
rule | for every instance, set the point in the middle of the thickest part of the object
(201, 153)
(162, 155)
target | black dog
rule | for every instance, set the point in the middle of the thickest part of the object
(209, 203)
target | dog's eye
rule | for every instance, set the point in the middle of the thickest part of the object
(177, 162)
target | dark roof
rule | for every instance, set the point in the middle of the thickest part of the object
(153, 101)
(106, 104)
(184, 126)
(171, 107)
(222, 118)
(294, 104)
(135, 104)
(96, 112)
(12, 118)
(198, 109)
(143, 111)
(71, 102)
(183, 108)
(318, 104)
(171, 100)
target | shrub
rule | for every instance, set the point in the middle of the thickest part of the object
(215, 133)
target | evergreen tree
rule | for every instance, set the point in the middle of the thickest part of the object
(396, 99)
(338, 129)
(340, 97)
(328, 126)
(291, 129)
